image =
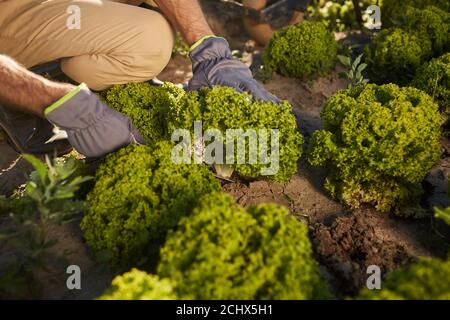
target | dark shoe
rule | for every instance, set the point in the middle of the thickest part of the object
(31, 134)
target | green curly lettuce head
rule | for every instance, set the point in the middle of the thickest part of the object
(378, 144)
(307, 49)
(223, 251)
(429, 279)
(429, 24)
(145, 105)
(395, 55)
(139, 285)
(434, 79)
(392, 11)
(224, 108)
(139, 194)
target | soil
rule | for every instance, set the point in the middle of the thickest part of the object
(345, 241)
(354, 242)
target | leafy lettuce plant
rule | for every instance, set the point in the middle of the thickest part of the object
(434, 79)
(378, 144)
(223, 251)
(146, 105)
(223, 108)
(139, 285)
(395, 55)
(307, 49)
(140, 194)
(428, 279)
(415, 35)
(159, 111)
(393, 10)
(428, 24)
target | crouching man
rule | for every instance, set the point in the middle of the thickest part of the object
(117, 42)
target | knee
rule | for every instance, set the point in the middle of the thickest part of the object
(147, 52)
(154, 46)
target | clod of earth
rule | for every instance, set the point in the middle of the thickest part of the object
(351, 244)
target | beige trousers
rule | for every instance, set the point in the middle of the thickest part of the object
(116, 43)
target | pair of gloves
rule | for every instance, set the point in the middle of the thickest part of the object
(95, 130)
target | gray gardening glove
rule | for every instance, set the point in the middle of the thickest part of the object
(93, 128)
(213, 64)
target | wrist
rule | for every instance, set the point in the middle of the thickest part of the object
(64, 94)
(196, 33)
(200, 40)
(47, 92)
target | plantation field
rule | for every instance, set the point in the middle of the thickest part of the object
(345, 240)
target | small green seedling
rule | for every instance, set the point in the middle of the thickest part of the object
(443, 214)
(355, 73)
(53, 187)
(48, 197)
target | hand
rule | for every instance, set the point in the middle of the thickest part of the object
(93, 128)
(213, 64)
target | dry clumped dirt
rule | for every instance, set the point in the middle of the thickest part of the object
(345, 241)
(354, 242)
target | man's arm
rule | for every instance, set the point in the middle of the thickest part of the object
(27, 91)
(187, 17)
(212, 61)
(92, 127)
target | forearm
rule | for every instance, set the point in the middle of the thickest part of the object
(187, 17)
(24, 90)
